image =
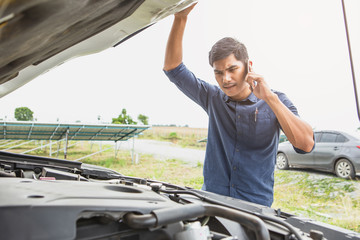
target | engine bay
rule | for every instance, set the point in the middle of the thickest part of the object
(45, 198)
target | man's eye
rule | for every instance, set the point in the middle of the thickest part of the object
(218, 73)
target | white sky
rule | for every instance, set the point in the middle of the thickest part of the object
(299, 46)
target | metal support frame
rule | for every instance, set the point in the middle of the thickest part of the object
(50, 152)
(30, 131)
(14, 132)
(66, 143)
(7, 144)
(24, 143)
(59, 150)
(58, 147)
(77, 132)
(92, 154)
(36, 147)
(4, 130)
(116, 148)
(134, 157)
(42, 146)
(53, 134)
(132, 151)
(99, 132)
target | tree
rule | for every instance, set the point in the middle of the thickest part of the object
(123, 118)
(144, 119)
(23, 114)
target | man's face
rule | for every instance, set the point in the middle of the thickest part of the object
(230, 74)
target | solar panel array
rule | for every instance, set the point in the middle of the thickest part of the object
(57, 131)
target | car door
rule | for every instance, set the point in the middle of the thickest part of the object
(304, 160)
(327, 149)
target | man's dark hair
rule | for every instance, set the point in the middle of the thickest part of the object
(225, 47)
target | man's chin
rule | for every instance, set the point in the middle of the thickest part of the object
(232, 95)
(229, 92)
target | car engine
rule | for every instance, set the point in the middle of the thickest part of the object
(46, 198)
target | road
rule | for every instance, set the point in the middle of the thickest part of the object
(164, 150)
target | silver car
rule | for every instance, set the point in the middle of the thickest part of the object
(336, 152)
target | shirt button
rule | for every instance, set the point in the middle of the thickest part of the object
(237, 149)
(233, 185)
(234, 168)
(238, 116)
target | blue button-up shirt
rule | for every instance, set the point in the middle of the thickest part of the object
(242, 143)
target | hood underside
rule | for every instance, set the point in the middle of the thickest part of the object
(33, 31)
(40, 34)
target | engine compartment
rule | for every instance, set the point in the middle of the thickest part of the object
(45, 198)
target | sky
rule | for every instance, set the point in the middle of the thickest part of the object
(299, 46)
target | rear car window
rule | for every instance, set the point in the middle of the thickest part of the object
(328, 137)
(341, 138)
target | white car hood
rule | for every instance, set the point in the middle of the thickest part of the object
(38, 35)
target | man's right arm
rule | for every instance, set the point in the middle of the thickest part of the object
(174, 52)
(196, 89)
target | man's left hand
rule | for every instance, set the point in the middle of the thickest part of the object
(258, 85)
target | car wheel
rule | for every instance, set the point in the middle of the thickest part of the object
(344, 169)
(282, 161)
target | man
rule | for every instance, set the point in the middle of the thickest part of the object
(245, 118)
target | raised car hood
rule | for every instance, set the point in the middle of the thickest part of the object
(38, 35)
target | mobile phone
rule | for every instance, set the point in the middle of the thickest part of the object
(248, 70)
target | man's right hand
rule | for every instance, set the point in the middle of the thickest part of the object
(185, 12)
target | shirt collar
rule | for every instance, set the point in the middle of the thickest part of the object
(250, 99)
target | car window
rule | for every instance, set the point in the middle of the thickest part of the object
(341, 138)
(328, 137)
(317, 136)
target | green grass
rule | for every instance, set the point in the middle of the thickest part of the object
(183, 137)
(170, 171)
(328, 199)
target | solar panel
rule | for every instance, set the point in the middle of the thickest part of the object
(75, 131)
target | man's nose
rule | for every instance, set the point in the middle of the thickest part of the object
(227, 76)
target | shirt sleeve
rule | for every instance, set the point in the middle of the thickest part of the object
(196, 89)
(302, 151)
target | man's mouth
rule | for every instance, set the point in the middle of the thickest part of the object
(227, 86)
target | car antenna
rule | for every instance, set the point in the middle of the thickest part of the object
(351, 60)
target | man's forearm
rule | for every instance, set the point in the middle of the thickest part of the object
(174, 52)
(298, 132)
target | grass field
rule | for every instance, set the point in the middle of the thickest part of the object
(327, 198)
(182, 136)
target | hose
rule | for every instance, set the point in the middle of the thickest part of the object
(167, 216)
